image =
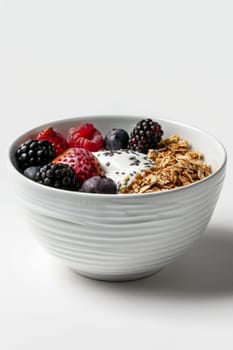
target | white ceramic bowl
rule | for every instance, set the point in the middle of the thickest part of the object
(128, 236)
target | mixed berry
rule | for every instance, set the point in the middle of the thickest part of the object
(99, 184)
(146, 134)
(34, 152)
(56, 175)
(85, 136)
(116, 139)
(85, 160)
(55, 138)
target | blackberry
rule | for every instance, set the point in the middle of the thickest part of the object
(34, 152)
(145, 135)
(58, 175)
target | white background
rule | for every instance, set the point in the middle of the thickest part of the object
(63, 59)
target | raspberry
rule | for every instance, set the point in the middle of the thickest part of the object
(86, 136)
(84, 163)
(55, 138)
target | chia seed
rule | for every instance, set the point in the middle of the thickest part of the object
(136, 162)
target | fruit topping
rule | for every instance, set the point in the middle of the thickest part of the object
(116, 139)
(55, 138)
(33, 173)
(145, 135)
(34, 152)
(84, 163)
(140, 163)
(99, 184)
(85, 136)
(58, 175)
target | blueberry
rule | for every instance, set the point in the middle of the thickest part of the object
(99, 184)
(33, 172)
(116, 139)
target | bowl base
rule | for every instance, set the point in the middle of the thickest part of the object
(117, 278)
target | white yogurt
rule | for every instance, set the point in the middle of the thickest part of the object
(118, 164)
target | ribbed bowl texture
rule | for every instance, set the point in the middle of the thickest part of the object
(124, 236)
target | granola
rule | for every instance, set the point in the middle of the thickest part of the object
(175, 165)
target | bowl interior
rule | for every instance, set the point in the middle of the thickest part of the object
(213, 151)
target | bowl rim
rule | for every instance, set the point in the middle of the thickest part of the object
(119, 196)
